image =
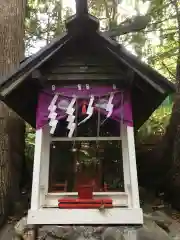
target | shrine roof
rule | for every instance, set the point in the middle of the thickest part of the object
(22, 84)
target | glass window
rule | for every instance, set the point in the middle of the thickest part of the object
(92, 156)
(86, 162)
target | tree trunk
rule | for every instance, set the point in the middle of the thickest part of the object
(12, 128)
(171, 153)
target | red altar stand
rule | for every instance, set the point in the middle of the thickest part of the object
(83, 179)
(85, 200)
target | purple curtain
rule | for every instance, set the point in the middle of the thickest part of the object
(121, 102)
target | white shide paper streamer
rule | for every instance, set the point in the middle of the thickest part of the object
(109, 107)
(52, 115)
(89, 111)
(71, 118)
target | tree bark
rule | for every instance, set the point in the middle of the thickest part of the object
(12, 128)
(171, 153)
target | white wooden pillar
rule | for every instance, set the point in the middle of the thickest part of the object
(129, 166)
(125, 155)
(35, 196)
(44, 169)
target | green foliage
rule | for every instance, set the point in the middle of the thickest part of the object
(29, 142)
(156, 124)
(162, 50)
(44, 21)
(158, 43)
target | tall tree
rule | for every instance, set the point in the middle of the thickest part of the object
(11, 126)
(171, 145)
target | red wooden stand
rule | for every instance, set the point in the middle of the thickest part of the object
(85, 200)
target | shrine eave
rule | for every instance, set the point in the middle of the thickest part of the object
(20, 90)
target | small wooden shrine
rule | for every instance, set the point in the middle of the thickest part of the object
(84, 94)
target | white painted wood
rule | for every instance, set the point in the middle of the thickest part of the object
(45, 159)
(36, 170)
(126, 167)
(124, 211)
(97, 194)
(66, 139)
(119, 198)
(120, 216)
(129, 166)
(133, 167)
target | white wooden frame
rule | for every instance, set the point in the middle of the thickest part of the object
(66, 139)
(126, 208)
(120, 199)
(112, 216)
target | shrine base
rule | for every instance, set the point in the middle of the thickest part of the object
(112, 216)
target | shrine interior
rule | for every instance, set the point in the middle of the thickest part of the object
(66, 172)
